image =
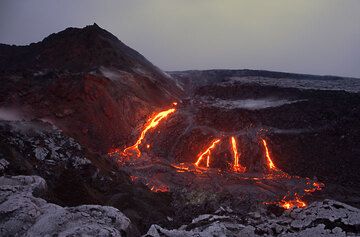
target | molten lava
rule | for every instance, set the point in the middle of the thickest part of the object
(159, 189)
(317, 186)
(151, 123)
(270, 163)
(133, 178)
(297, 202)
(207, 153)
(237, 167)
(181, 168)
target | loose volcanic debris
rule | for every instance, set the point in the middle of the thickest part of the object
(326, 218)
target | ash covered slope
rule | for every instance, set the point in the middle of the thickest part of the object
(85, 81)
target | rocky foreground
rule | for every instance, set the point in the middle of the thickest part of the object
(326, 218)
(65, 101)
(23, 213)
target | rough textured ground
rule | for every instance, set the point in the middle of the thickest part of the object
(82, 90)
(316, 135)
(22, 214)
(326, 218)
(74, 175)
(85, 81)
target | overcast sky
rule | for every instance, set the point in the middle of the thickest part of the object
(307, 36)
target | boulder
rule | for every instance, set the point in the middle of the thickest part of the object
(23, 214)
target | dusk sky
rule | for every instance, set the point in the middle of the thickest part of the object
(305, 36)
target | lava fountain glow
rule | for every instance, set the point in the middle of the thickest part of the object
(151, 123)
(207, 153)
(270, 163)
(237, 167)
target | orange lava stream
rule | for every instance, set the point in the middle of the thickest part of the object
(237, 167)
(207, 153)
(151, 123)
(269, 160)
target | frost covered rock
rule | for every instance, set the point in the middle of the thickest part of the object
(25, 215)
(326, 218)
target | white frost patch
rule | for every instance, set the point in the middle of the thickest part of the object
(141, 71)
(8, 114)
(111, 74)
(119, 76)
(251, 104)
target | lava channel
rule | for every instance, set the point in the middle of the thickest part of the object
(151, 123)
(237, 167)
(207, 153)
(270, 163)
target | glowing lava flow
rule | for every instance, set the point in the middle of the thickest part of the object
(288, 204)
(295, 200)
(317, 186)
(269, 161)
(237, 167)
(152, 123)
(207, 153)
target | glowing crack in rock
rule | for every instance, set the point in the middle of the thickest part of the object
(207, 154)
(237, 167)
(270, 163)
(151, 123)
(317, 186)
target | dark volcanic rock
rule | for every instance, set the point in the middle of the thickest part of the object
(85, 81)
(327, 218)
(311, 123)
(24, 214)
(74, 175)
(75, 50)
(96, 90)
(80, 92)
